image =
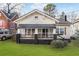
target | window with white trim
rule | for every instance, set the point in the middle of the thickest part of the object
(60, 30)
(22, 31)
(29, 32)
(57, 30)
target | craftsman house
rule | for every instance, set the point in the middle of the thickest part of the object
(38, 22)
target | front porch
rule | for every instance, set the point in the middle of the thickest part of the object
(44, 31)
(41, 33)
(34, 33)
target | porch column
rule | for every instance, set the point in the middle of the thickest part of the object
(54, 31)
(36, 30)
(18, 31)
(36, 36)
(18, 36)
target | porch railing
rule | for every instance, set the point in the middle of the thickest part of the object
(39, 36)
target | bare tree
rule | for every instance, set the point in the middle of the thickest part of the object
(62, 16)
(12, 7)
(73, 16)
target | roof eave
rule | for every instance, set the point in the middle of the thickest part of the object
(38, 12)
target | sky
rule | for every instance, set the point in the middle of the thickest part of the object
(60, 7)
(66, 7)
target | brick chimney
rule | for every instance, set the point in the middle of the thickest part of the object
(65, 17)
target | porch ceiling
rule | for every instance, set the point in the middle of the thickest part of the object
(37, 26)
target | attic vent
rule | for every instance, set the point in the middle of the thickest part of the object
(36, 17)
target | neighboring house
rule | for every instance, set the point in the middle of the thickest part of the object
(6, 21)
(37, 22)
(12, 17)
(75, 26)
(63, 26)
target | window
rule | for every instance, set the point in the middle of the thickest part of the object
(1, 32)
(57, 30)
(60, 30)
(6, 32)
(22, 31)
(29, 32)
(51, 30)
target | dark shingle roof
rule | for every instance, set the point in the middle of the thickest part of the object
(63, 21)
(11, 14)
(37, 26)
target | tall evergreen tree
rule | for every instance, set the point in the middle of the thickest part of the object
(50, 9)
(62, 16)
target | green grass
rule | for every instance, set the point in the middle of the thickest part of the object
(10, 48)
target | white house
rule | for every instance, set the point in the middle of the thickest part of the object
(38, 22)
(75, 26)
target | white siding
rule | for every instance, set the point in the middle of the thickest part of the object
(68, 31)
(31, 19)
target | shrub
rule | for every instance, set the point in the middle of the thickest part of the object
(58, 43)
(76, 42)
(65, 43)
(73, 38)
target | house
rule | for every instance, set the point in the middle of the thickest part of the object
(6, 21)
(38, 22)
(75, 26)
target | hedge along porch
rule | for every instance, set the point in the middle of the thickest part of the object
(36, 22)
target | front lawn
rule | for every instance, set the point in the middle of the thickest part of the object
(10, 48)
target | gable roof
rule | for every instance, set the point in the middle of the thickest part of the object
(75, 21)
(4, 14)
(35, 10)
(11, 16)
(62, 21)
